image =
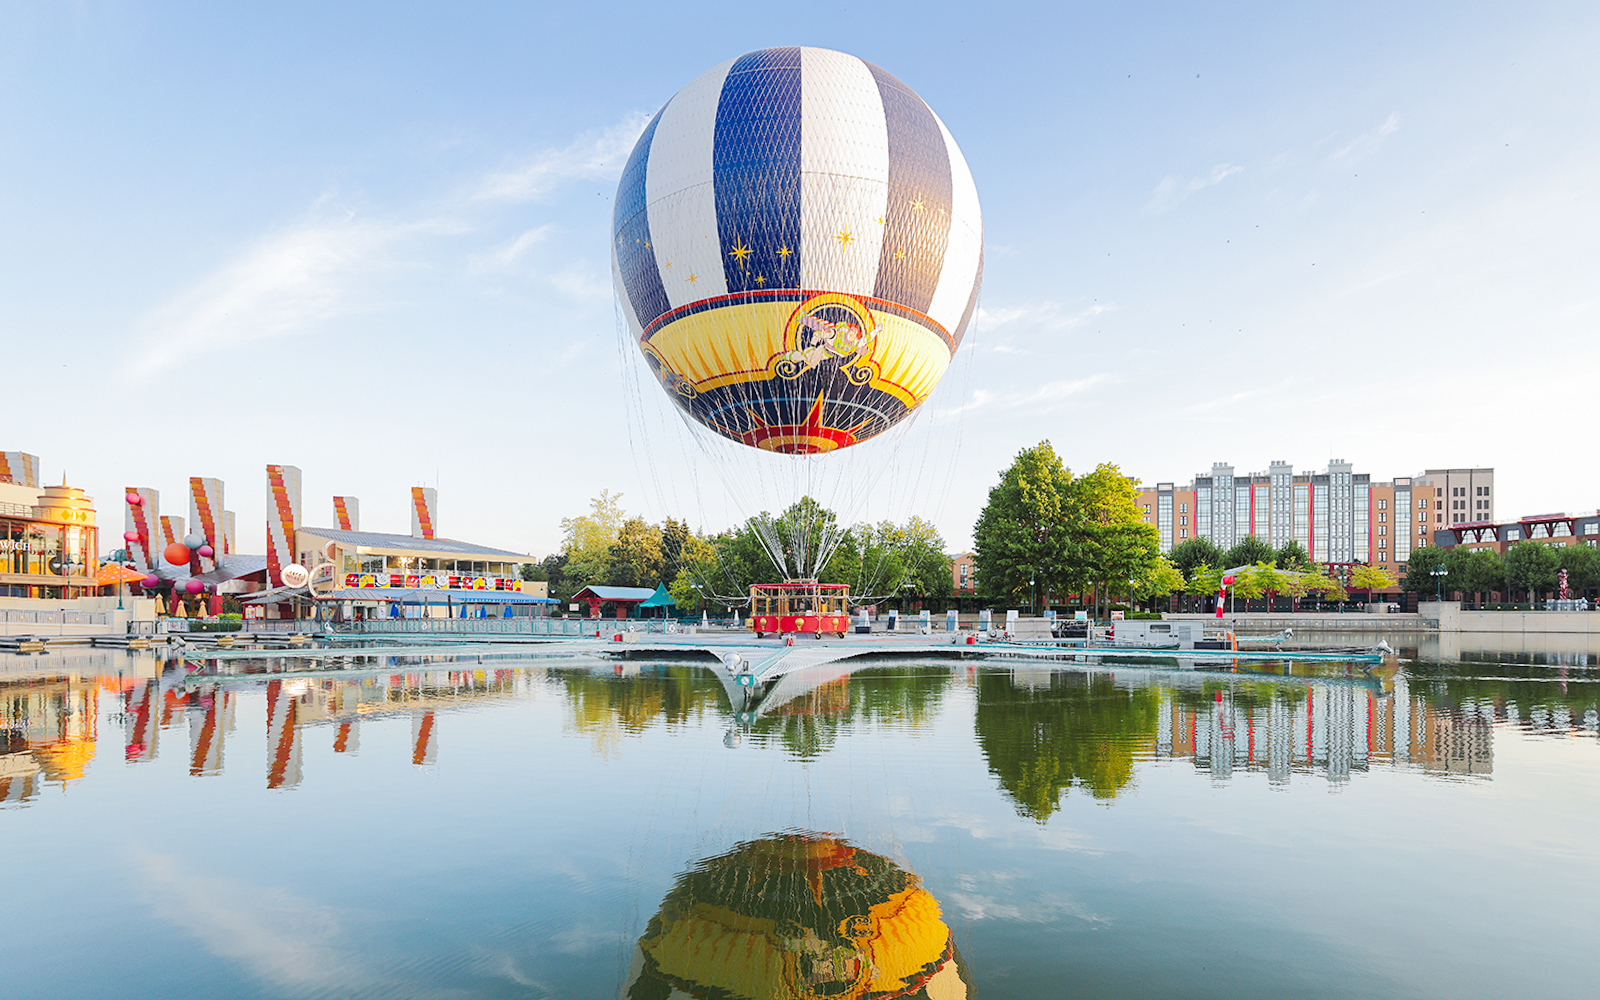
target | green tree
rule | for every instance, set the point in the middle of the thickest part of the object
(1531, 566)
(586, 540)
(1293, 555)
(1248, 551)
(1025, 530)
(1369, 578)
(1419, 577)
(1204, 581)
(674, 535)
(1262, 580)
(1582, 563)
(1195, 552)
(1317, 581)
(1162, 578)
(634, 558)
(1114, 546)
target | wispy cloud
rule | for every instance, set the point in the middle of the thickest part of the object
(508, 254)
(287, 282)
(596, 154)
(1367, 143)
(1174, 190)
(278, 937)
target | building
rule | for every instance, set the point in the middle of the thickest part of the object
(1557, 530)
(49, 543)
(964, 573)
(1337, 515)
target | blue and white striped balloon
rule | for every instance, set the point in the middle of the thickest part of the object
(798, 249)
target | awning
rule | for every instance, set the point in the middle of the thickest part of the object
(659, 599)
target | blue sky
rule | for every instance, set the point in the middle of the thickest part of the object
(372, 242)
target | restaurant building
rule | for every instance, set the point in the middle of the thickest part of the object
(49, 544)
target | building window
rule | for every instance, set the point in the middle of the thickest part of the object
(1592, 528)
(1383, 543)
(1383, 505)
(1383, 530)
(1147, 508)
(1183, 520)
(1183, 508)
(1422, 504)
(1183, 532)
(1438, 491)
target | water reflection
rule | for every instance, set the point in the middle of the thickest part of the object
(1042, 732)
(797, 915)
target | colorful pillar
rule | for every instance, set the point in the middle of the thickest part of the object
(347, 514)
(424, 511)
(283, 519)
(205, 514)
(144, 520)
(20, 468)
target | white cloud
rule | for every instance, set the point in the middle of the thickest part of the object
(1364, 145)
(277, 936)
(600, 154)
(287, 282)
(508, 254)
(1173, 190)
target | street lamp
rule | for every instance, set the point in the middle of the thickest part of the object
(1438, 573)
(1033, 604)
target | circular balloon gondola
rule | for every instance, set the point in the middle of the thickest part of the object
(797, 916)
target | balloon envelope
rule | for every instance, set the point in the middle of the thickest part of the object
(193, 586)
(177, 554)
(135, 499)
(207, 551)
(150, 581)
(130, 536)
(797, 246)
(194, 539)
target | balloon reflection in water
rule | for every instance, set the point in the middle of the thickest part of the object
(797, 916)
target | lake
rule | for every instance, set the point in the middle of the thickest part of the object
(940, 828)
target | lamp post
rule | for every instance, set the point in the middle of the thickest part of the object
(1033, 604)
(1438, 573)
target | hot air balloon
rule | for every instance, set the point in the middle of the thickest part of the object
(797, 249)
(798, 916)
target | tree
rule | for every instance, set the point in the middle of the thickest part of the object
(634, 557)
(1317, 581)
(1582, 563)
(1419, 570)
(674, 535)
(1113, 543)
(1204, 582)
(1159, 580)
(1369, 578)
(1248, 551)
(1293, 555)
(1023, 534)
(1531, 566)
(1195, 552)
(1261, 580)
(532, 571)
(586, 540)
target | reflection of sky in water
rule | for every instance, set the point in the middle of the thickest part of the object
(512, 832)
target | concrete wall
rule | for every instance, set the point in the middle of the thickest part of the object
(44, 617)
(1452, 619)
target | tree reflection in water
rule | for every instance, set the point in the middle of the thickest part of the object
(797, 915)
(1043, 732)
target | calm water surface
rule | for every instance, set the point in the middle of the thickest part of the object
(928, 829)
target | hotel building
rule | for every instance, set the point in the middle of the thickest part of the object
(1337, 515)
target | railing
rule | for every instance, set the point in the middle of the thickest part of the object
(54, 617)
(521, 626)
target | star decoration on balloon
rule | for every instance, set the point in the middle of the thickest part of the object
(844, 238)
(784, 251)
(739, 252)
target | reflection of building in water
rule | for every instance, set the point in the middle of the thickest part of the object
(48, 732)
(209, 720)
(797, 916)
(1328, 728)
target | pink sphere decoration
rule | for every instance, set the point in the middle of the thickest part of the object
(130, 536)
(150, 581)
(135, 499)
(1227, 581)
(207, 551)
(193, 586)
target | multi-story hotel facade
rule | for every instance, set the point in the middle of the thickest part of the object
(1337, 515)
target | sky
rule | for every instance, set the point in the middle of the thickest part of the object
(371, 240)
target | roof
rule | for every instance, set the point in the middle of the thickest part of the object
(229, 567)
(616, 593)
(659, 599)
(411, 543)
